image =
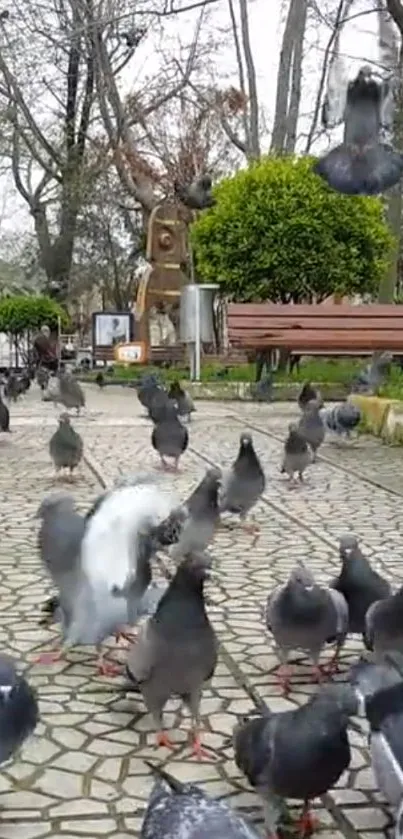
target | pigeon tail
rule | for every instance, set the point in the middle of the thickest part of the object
(355, 170)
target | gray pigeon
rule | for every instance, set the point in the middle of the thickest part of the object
(66, 446)
(191, 526)
(372, 673)
(370, 380)
(59, 542)
(302, 615)
(4, 416)
(184, 402)
(297, 453)
(243, 484)
(362, 165)
(42, 377)
(146, 388)
(179, 810)
(197, 195)
(176, 650)
(169, 437)
(341, 419)
(384, 624)
(359, 584)
(159, 402)
(311, 426)
(384, 712)
(19, 712)
(262, 391)
(286, 755)
(71, 394)
(308, 393)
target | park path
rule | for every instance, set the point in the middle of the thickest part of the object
(82, 773)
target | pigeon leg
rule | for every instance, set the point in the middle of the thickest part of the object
(333, 665)
(307, 823)
(193, 702)
(162, 739)
(283, 675)
(317, 674)
(130, 637)
(106, 668)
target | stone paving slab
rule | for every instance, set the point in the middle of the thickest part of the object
(82, 773)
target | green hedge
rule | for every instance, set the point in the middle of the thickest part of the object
(19, 314)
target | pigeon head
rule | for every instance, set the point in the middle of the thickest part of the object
(8, 675)
(205, 182)
(293, 428)
(347, 545)
(245, 441)
(193, 571)
(365, 72)
(301, 577)
(64, 419)
(56, 503)
(341, 696)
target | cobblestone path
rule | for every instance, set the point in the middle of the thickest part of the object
(82, 773)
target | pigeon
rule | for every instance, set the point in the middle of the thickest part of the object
(42, 377)
(179, 810)
(341, 419)
(370, 380)
(372, 673)
(176, 649)
(146, 388)
(19, 712)
(384, 712)
(302, 615)
(66, 446)
(384, 624)
(286, 754)
(262, 391)
(134, 36)
(13, 388)
(191, 527)
(4, 416)
(362, 165)
(59, 542)
(115, 562)
(297, 454)
(307, 394)
(184, 402)
(169, 437)
(197, 195)
(359, 584)
(100, 380)
(311, 426)
(158, 404)
(71, 392)
(243, 484)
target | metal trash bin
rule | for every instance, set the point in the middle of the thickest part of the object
(188, 332)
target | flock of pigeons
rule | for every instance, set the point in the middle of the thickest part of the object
(101, 567)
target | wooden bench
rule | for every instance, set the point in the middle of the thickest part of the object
(316, 329)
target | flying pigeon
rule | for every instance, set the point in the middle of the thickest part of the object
(307, 394)
(197, 195)
(384, 624)
(184, 402)
(286, 754)
(362, 165)
(66, 446)
(297, 454)
(302, 615)
(4, 416)
(370, 380)
(191, 527)
(179, 810)
(176, 650)
(19, 712)
(311, 426)
(243, 484)
(169, 437)
(359, 584)
(341, 419)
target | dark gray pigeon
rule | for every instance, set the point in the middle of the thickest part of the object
(308, 393)
(384, 712)
(370, 380)
(262, 391)
(384, 624)
(183, 401)
(179, 810)
(159, 402)
(66, 446)
(286, 755)
(311, 426)
(297, 454)
(19, 712)
(169, 437)
(302, 615)
(42, 377)
(372, 673)
(71, 394)
(191, 527)
(362, 165)
(341, 419)
(197, 195)
(359, 584)
(146, 388)
(243, 484)
(176, 650)
(4, 416)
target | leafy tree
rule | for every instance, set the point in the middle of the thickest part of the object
(21, 314)
(279, 233)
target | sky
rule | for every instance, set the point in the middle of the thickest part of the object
(358, 45)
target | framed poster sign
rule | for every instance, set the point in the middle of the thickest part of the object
(131, 353)
(112, 328)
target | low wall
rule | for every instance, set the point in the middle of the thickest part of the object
(382, 417)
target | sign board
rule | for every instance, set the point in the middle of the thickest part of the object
(131, 353)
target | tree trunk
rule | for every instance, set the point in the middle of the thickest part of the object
(296, 76)
(279, 133)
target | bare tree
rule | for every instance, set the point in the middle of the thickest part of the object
(288, 92)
